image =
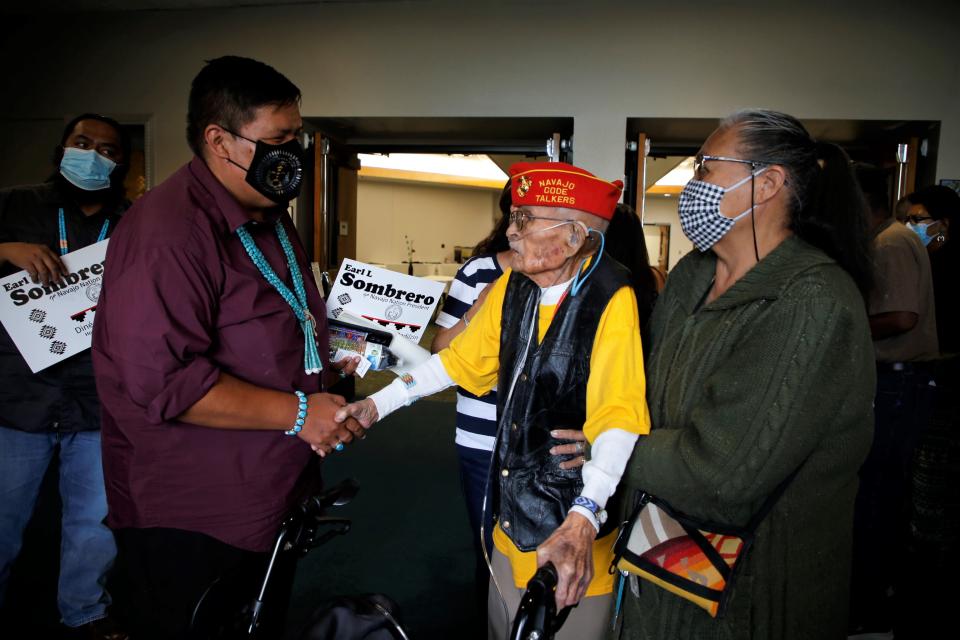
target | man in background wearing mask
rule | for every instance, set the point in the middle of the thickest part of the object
(933, 210)
(211, 353)
(55, 412)
(904, 330)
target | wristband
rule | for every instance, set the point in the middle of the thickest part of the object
(586, 513)
(301, 414)
(598, 512)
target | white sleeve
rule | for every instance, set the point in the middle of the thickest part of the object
(424, 379)
(609, 455)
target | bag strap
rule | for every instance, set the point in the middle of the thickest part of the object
(619, 545)
(772, 499)
(643, 498)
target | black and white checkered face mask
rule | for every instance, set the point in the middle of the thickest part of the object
(699, 209)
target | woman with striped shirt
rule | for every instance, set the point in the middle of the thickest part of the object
(476, 415)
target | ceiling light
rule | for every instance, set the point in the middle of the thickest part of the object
(679, 175)
(478, 167)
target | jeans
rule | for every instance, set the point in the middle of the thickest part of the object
(902, 409)
(87, 548)
(474, 467)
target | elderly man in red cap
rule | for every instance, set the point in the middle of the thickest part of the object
(559, 336)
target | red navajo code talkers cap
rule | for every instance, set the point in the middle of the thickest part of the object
(557, 184)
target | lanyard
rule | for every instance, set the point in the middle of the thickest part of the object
(64, 247)
(298, 301)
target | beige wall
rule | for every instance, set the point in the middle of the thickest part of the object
(664, 211)
(599, 62)
(435, 218)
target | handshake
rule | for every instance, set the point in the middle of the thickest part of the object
(332, 424)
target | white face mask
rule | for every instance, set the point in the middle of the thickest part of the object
(699, 209)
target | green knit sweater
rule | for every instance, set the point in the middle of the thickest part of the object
(775, 373)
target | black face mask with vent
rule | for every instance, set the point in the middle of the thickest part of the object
(276, 170)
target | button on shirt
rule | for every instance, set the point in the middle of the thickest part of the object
(181, 303)
(62, 397)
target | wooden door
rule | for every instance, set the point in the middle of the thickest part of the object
(335, 202)
(640, 179)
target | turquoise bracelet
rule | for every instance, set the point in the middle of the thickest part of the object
(301, 414)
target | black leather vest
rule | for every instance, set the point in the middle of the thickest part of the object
(533, 493)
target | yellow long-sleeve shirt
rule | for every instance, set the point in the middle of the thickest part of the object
(615, 394)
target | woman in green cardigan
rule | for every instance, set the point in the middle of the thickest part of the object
(762, 364)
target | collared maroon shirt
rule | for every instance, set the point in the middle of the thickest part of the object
(181, 302)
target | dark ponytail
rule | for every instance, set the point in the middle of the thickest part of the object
(835, 218)
(497, 240)
(827, 206)
(625, 244)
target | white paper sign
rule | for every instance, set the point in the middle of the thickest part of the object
(395, 302)
(51, 323)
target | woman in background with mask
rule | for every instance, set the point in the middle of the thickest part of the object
(931, 213)
(761, 376)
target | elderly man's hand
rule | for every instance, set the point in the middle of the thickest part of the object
(363, 411)
(570, 549)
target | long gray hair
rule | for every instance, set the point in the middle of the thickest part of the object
(827, 208)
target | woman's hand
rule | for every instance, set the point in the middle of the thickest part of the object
(576, 448)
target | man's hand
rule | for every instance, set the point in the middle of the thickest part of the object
(575, 448)
(363, 411)
(43, 265)
(347, 366)
(321, 431)
(340, 369)
(570, 549)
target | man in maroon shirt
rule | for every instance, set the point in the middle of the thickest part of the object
(203, 329)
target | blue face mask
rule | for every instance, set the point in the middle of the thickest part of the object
(923, 231)
(86, 169)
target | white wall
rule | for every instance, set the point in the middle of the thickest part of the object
(435, 218)
(599, 62)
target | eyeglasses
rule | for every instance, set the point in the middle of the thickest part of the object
(918, 219)
(519, 218)
(700, 159)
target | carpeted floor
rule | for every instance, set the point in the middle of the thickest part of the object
(410, 537)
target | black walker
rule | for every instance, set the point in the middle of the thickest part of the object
(537, 617)
(226, 612)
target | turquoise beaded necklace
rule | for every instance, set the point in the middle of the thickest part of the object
(298, 302)
(64, 247)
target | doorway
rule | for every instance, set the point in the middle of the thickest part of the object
(337, 222)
